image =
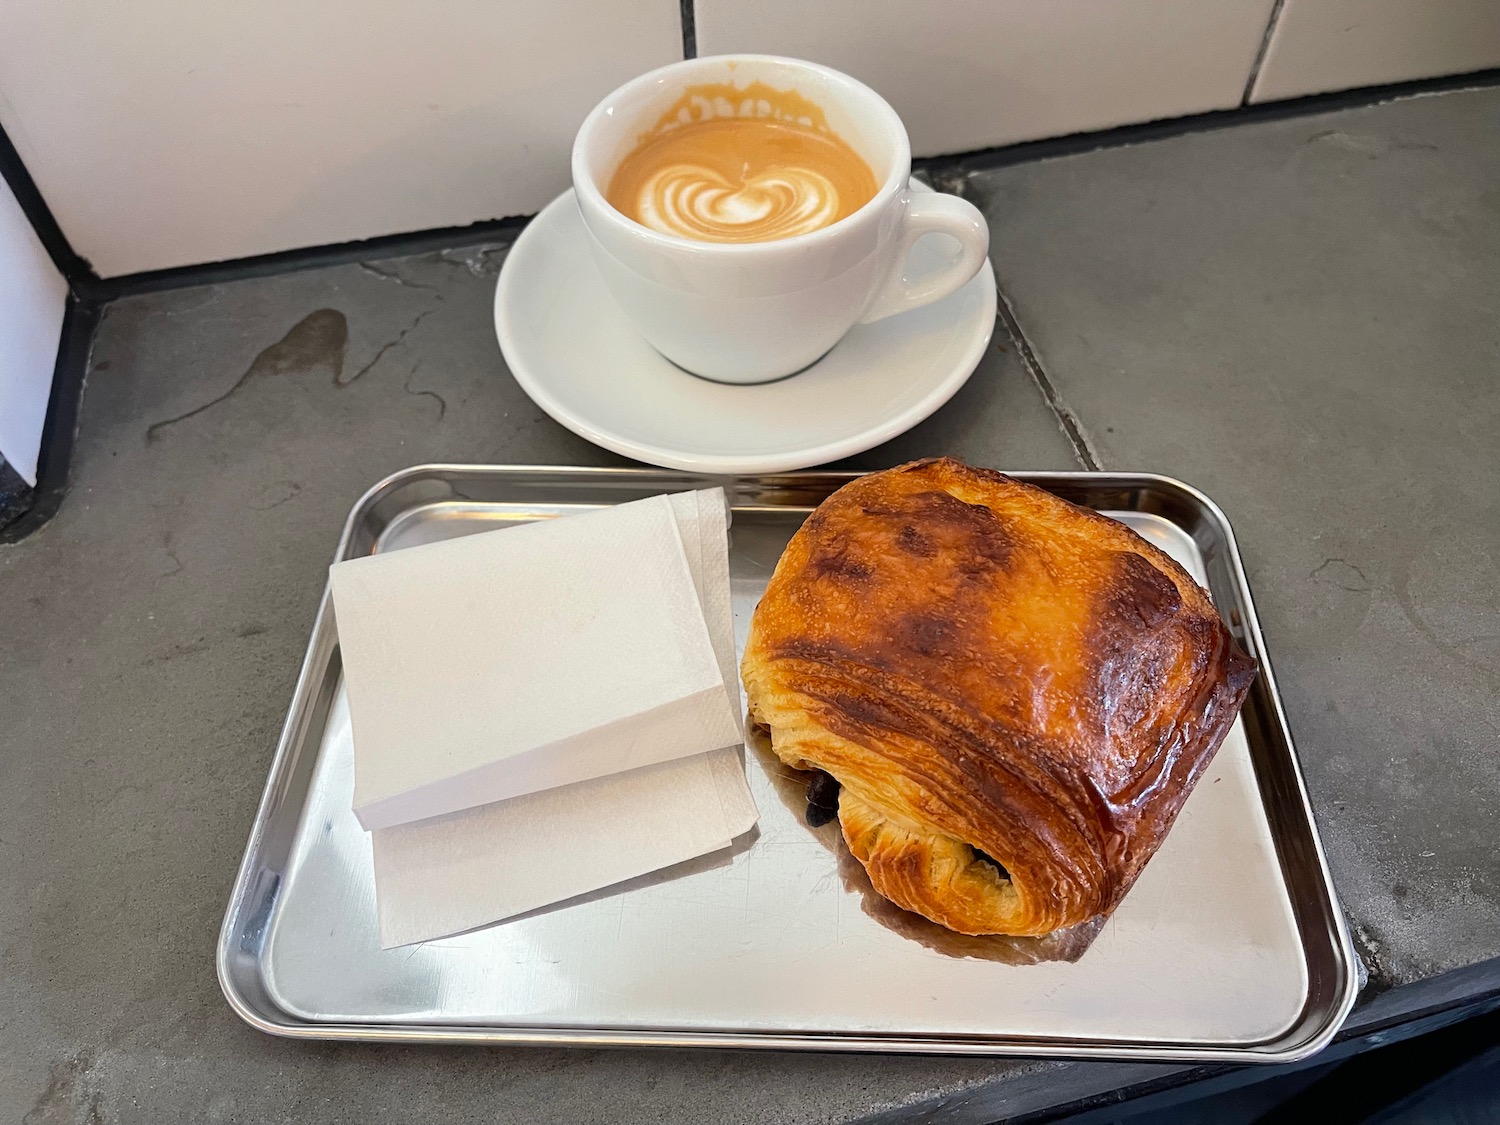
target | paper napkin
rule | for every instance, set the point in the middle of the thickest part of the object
(513, 661)
(455, 872)
(472, 868)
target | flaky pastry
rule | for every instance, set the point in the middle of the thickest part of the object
(1015, 694)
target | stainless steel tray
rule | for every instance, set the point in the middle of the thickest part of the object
(1231, 946)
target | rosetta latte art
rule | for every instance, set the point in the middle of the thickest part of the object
(692, 201)
(741, 179)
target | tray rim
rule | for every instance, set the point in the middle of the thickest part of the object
(305, 704)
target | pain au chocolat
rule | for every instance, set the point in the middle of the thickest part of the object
(1015, 694)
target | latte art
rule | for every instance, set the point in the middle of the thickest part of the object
(692, 201)
(741, 179)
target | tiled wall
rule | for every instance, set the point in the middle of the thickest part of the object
(174, 132)
(967, 74)
(1322, 45)
(168, 132)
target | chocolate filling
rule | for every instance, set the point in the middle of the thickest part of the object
(823, 806)
(822, 799)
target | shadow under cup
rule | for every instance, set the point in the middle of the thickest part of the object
(757, 311)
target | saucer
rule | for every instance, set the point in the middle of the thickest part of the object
(574, 352)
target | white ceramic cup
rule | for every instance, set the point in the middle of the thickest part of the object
(755, 311)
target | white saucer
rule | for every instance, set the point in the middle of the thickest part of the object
(573, 351)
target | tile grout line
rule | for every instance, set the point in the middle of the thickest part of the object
(689, 30)
(1260, 55)
(1067, 421)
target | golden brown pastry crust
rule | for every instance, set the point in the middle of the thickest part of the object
(983, 665)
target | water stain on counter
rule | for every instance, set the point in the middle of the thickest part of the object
(318, 340)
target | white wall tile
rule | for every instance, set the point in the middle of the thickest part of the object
(1322, 45)
(171, 132)
(32, 298)
(967, 74)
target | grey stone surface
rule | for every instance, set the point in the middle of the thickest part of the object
(1290, 315)
(1302, 318)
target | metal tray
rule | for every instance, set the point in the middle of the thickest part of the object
(1230, 947)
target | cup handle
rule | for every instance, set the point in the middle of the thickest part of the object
(932, 213)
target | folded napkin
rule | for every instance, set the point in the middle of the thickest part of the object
(518, 660)
(447, 874)
(469, 869)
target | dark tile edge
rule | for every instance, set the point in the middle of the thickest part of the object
(60, 425)
(950, 173)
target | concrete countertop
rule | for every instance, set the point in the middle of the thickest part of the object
(1299, 317)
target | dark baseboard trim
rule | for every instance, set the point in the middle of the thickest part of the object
(948, 172)
(310, 257)
(15, 494)
(60, 427)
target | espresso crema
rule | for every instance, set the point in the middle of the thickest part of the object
(750, 164)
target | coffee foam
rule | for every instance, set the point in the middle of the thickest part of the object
(751, 164)
(693, 201)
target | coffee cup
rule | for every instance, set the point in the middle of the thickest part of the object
(752, 311)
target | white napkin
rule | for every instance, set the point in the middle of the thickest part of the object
(517, 660)
(452, 873)
(468, 869)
